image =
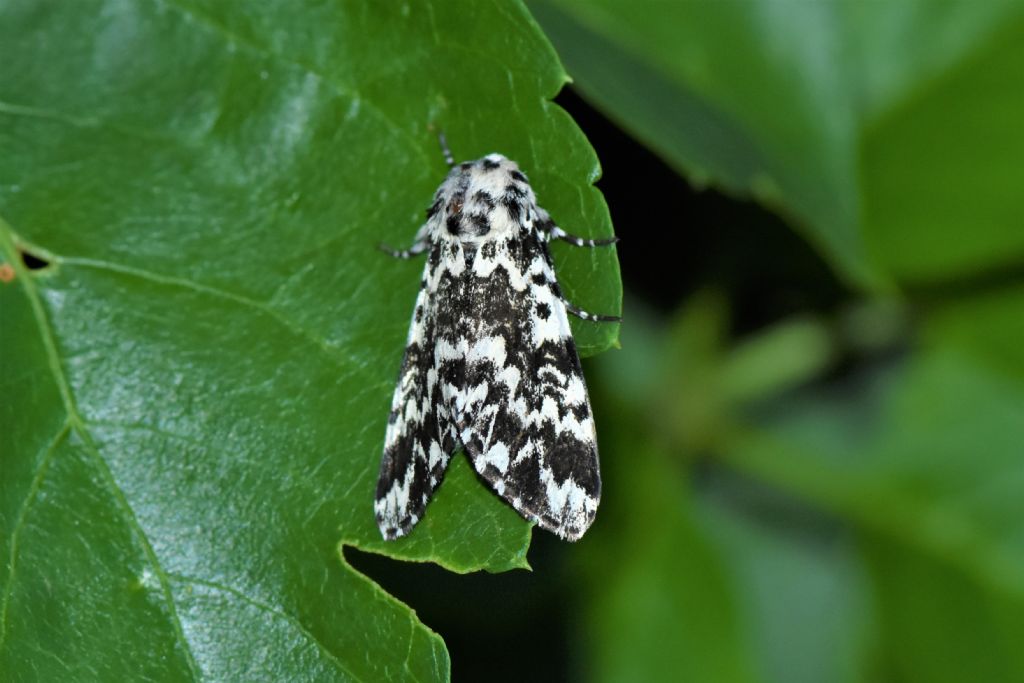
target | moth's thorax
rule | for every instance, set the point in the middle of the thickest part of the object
(482, 200)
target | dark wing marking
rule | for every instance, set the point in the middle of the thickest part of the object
(419, 442)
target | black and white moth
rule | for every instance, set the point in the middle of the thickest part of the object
(490, 364)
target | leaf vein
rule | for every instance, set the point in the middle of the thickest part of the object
(293, 621)
(34, 486)
(259, 306)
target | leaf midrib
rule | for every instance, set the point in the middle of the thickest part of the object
(19, 522)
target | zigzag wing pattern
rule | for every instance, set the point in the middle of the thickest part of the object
(514, 387)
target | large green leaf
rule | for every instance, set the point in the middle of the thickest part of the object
(196, 385)
(889, 131)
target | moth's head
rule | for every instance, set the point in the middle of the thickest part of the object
(483, 199)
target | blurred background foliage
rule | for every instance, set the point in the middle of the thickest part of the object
(830, 488)
(813, 434)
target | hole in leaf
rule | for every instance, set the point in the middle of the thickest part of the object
(33, 261)
(452, 605)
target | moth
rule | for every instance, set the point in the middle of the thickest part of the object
(490, 365)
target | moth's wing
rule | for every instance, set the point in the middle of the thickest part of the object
(525, 418)
(420, 440)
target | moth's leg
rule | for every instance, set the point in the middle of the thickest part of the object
(448, 158)
(557, 233)
(420, 244)
(418, 247)
(583, 315)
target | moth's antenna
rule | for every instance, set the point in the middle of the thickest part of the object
(449, 159)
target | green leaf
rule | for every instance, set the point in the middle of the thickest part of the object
(197, 383)
(888, 131)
